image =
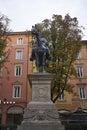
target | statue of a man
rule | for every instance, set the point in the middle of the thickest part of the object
(40, 52)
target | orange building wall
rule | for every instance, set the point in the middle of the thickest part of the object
(72, 101)
(8, 78)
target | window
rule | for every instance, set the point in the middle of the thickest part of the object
(82, 93)
(61, 97)
(18, 70)
(16, 91)
(79, 70)
(19, 54)
(20, 41)
(0, 72)
(79, 55)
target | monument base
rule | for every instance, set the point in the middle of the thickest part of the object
(41, 116)
(41, 113)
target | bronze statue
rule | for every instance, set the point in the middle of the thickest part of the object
(40, 52)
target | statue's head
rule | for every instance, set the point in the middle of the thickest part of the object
(34, 30)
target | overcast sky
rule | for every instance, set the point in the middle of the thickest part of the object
(25, 13)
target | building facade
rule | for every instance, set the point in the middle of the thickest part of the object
(13, 78)
(15, 90)
(78, 98)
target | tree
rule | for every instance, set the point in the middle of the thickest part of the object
(64, 37)
(4, 52)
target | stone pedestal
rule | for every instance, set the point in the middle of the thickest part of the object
(41, 113)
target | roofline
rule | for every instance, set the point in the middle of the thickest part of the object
(19, 33)
(29, 32)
